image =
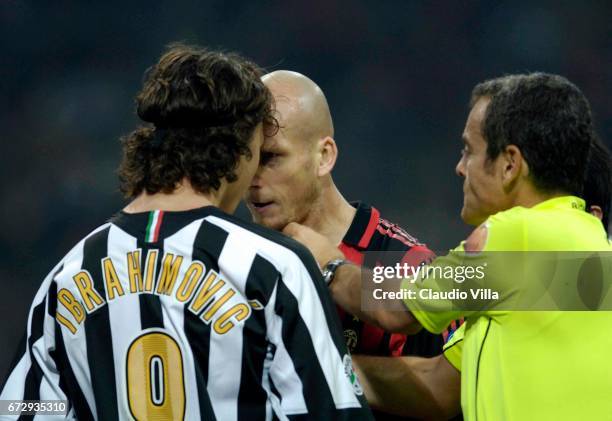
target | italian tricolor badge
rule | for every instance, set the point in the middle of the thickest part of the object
(155, 221)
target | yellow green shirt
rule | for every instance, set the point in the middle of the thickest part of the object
(532, 365)
(454, 346)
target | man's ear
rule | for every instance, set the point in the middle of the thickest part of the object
(596, 212)
(514, 166)
(328, 153)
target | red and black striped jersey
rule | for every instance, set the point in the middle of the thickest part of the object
(367, 235)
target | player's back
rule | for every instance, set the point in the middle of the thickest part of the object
(186, 315)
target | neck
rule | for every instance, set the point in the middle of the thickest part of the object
(331, 215)
(183, 198)
(529, 197)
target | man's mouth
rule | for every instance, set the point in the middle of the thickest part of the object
(261, 207)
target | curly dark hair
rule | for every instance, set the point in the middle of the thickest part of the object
(548, 118)
(203, 106)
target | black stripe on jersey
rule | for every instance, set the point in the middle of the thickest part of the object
(261, 280)
(359, 224)
(209, 242)
(98, 332)
(274, 391)
(388, 251)
(385, 242)
(68, 382)
(35, 373)
(150, 305)
(259, 286)
(300, 348)
(331, 314)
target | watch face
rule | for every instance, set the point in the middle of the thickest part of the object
(328, 275)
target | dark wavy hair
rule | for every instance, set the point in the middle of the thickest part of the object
(203, 106)
(548, 118)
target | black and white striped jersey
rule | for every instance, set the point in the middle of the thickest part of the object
(187, 315)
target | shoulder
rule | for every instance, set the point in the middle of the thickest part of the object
(98, 234)
(503, 231)
(274, 246)
(71, 263)
(396, 232)
(383, 241)
(390, 236)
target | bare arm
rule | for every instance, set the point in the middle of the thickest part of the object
(428, 388)
(346, 288)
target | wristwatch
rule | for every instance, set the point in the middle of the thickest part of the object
(329, 271)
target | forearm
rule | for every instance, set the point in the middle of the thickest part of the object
(398, 385)
(346, 289)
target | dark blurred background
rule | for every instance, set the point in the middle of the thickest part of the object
(397, 75)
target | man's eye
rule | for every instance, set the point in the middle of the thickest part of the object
(267, 157)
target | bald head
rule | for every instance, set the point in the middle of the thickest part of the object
(301, 104)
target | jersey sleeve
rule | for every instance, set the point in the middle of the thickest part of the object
(310, 370)
(453, 348)
(34, 374)
(428, 301)
(485, 271)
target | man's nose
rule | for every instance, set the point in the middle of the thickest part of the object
(256, 181)
(460, 168)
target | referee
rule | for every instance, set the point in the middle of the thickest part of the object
(174, 309)
(407, 385)
(526, 147)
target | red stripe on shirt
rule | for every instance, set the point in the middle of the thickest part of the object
(158, 226)
(367, 235)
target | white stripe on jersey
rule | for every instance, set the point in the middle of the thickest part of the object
(298, 281)
(49, 390)
(273, 403)
(225, 357)
(123, 314)
(282, 371)
(181, 243)
(16, 382)
(76, 345)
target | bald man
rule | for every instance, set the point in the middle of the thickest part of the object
(294, 184)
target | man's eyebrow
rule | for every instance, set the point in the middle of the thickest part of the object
(464, 139)
(270, 143)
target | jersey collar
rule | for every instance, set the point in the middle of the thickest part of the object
(136, 223)
(363, 226)
(571, 202)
